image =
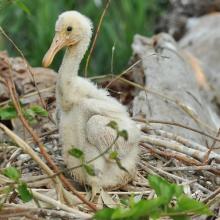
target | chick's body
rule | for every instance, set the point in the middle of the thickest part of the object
(85, 127)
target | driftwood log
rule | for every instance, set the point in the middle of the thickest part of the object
(172, 90)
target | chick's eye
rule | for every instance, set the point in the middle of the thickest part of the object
(69, 28)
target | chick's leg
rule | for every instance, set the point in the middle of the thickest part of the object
(94, 183)
(96, 189)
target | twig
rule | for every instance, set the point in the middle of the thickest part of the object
(194, 168)
(112, 59)
(150, 121)
(13, 157)
(96, 35)
(179, 139)
(188, 143)
(173, 145)
(212, 195)
(23, 97)
(16, 213)
(130, 193)
(206, 159)
(124, 72)
(12, 208)
(179, 156)
(54, 202)
(162, 172)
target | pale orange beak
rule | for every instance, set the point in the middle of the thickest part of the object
(57, 44)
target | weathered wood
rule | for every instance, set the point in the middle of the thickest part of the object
(203, 41)
(169, 74)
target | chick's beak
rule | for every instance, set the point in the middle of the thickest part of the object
(57, 44)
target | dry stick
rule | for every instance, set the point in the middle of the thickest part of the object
(54, 202)
(20, 214)
(43, 212)
(106, 76)
(37, 140)
(112, 58)
(121, 74)
(160, 171)
(214, 194)
(96, 35)
(173, 145)
(185, 159)
(150, 121)
(29, 70)
(187, 143)
(206, 159)
(178, 156)
(177, 143)
(23, 97)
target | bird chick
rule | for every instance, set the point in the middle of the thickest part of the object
(85, 111)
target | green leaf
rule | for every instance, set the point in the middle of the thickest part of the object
(38, 110)
(113, 155)
(76, 153)
(124, 134)
(30, 116)
(164, 189)
(142, 208)
(30, 113)
(24, 192)
(113, 125)
(159, 207)
(189, 205)
(8, 113)
(89, 169)
(104, 214)
(12, 173)
(125, 202)
(178, 190)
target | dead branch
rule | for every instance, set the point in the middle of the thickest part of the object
(96, 35)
